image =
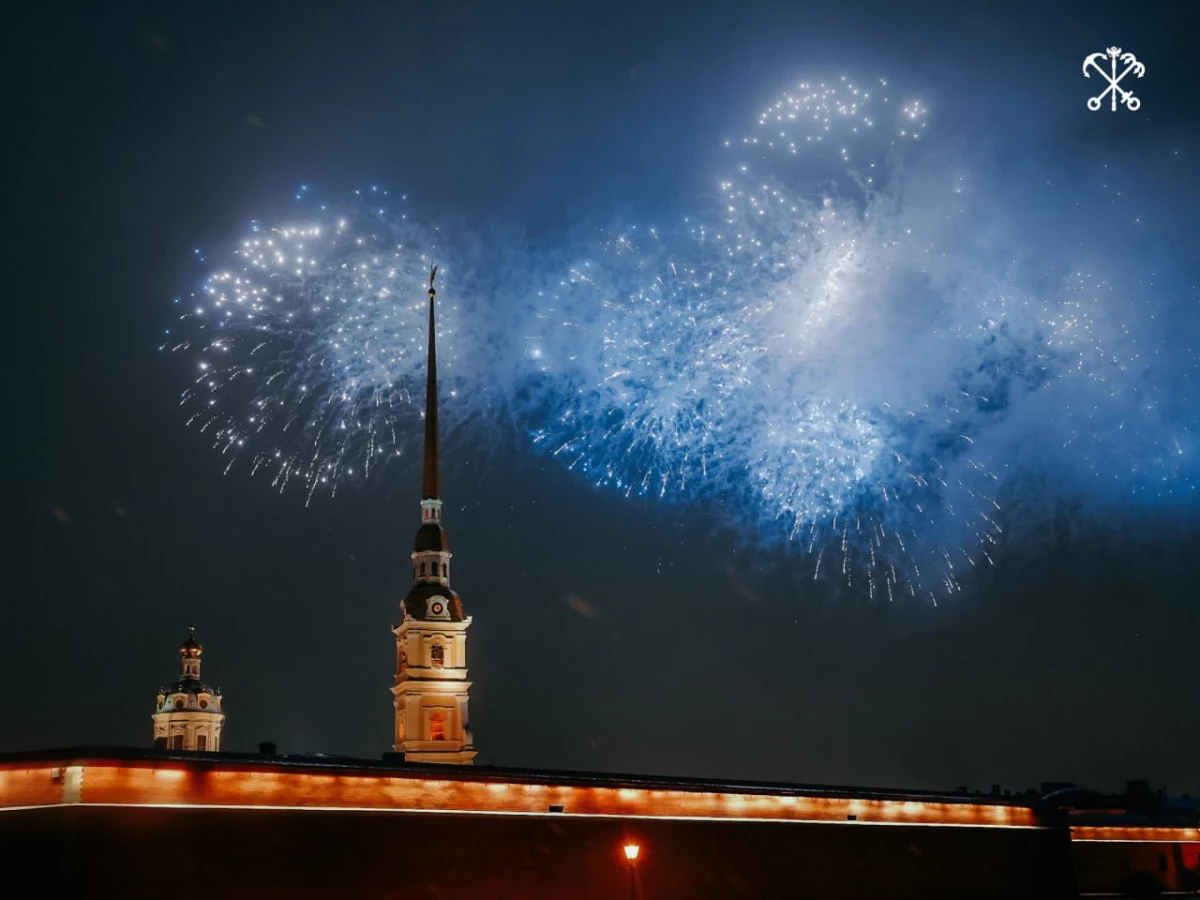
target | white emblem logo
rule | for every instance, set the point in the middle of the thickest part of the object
(1112, 54)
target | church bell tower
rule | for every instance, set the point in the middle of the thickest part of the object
(188, 715)
(430, 690)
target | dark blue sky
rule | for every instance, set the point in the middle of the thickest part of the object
(144, 132)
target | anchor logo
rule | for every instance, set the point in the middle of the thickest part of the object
(1112, 54)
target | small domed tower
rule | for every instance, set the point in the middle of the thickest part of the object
(188, 715)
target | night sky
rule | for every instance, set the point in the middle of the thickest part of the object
(610, 633)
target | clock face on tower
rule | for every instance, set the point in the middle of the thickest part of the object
(438, 608)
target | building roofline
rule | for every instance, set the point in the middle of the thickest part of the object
(319, 763)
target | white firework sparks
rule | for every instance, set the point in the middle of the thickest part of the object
(308, 347)
(849, 345)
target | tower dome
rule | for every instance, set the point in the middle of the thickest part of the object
(431, 536)
(191, 648)
(188, 715)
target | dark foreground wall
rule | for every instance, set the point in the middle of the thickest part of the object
(1136, 868)
(208, 853)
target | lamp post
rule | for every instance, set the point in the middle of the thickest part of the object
(631, 857)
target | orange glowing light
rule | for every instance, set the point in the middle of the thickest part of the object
(118, 783)
(1126, 834)
(631, 852)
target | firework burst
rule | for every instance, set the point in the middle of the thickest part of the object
(308, 347)
(847, 343)
(831, 346)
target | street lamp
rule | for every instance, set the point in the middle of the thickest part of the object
(631, 856)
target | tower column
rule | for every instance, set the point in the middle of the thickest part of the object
(430, 690)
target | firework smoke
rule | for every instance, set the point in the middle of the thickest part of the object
(847, 341)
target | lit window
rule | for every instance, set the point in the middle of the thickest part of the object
(437, 656)
(437, 725)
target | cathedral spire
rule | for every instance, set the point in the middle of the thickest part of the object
(431, 488)
(430, 689)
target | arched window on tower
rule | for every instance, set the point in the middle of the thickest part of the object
(437, 656)
(437, 725)
(202, 742)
